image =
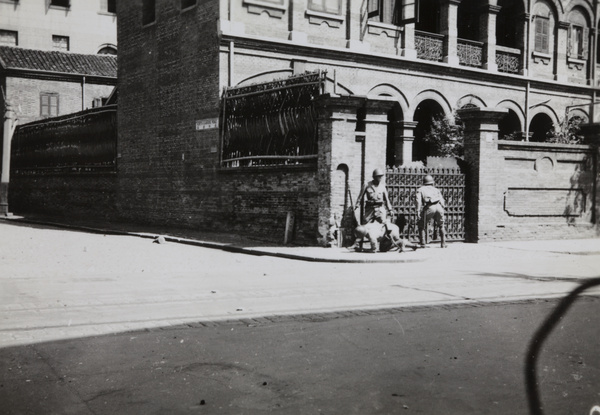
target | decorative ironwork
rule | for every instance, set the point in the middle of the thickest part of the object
(84, 142)
(402, 184)
(470, 53)
(429, 46)
(508, 61)
(273, 123)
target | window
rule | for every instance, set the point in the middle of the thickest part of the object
(9, 38)
(187, 3)
(579, 34)
(542, 34)
(384, 11)
(326, 6)
(48, 104)
(99, 102)
(108, 50)
(108, 6)
(60, 42)
(60, 3)
(148, 11)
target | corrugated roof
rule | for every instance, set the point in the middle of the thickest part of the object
(58, 62)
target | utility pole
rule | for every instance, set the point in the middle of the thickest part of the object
(10, 124)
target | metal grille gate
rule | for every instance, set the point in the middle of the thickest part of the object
(402, 184)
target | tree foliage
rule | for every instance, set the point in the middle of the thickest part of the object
(444, 138)
(568, 132)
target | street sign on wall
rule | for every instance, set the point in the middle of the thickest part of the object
(207, 124)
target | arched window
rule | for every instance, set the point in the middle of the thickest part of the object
(543, 26)
(468, 19)
(107, 50)
(579, 34)
(540, 127)
(509, 29)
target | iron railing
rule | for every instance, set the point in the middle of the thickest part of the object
(82, 142)
(272, 123)
(402, 184)
(470, 53)
(429, 46)
(508, 59)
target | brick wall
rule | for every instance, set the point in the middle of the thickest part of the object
(521, 190)
(73, 196)
(169, 173)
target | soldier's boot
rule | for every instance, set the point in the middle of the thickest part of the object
(422, 239)
(443, 239)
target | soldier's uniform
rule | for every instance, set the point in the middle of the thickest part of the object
(430, 205)
(377, 203)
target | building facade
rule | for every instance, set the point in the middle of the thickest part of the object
(87, 27)
(391, 67)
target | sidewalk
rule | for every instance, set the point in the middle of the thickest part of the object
(240, 244)
(73, 279)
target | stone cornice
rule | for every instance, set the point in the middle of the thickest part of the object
(392, 62)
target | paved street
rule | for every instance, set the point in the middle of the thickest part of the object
(452, 360)
(94, 323)
(57, 284)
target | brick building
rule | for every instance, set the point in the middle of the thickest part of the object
(83, 26)
(42, 84)
(391, 67)
(201, 145)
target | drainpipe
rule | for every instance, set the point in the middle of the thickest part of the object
(527, 110)
(10, 123)
(83, 93)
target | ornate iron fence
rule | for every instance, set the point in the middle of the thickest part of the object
(272, 123)
(508, 59)
(402, 184)
(83, 142)
(429, 46)
(470, 53)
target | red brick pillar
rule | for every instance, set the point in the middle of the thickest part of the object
(591, 133)
(352, 133)
(484, 178)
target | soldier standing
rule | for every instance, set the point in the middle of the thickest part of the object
(377, 202)
(377, 206)
(430, 205)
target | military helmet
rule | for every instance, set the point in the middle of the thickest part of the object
(377, 172)
(428, 179)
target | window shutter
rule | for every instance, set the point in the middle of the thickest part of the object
(373, 8)
(409, 11)
(44, 105)
(53, 105)
(538, 34)
(585, 43)
(571, 43)
(387, 10)
(545, 35)
(333, 6)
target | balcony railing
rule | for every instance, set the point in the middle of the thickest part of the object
(508, 59)
(429, 46)
(470, 53)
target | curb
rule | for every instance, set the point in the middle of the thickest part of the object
(213, 245)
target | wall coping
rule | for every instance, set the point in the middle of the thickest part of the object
(555, 147)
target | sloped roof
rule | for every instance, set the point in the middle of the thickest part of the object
(58, 62)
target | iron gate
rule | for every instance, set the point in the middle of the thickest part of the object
(402, 184)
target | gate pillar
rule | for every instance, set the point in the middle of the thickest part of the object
(483, 201)
(404, 145)
(352, 135)
(591, 133)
